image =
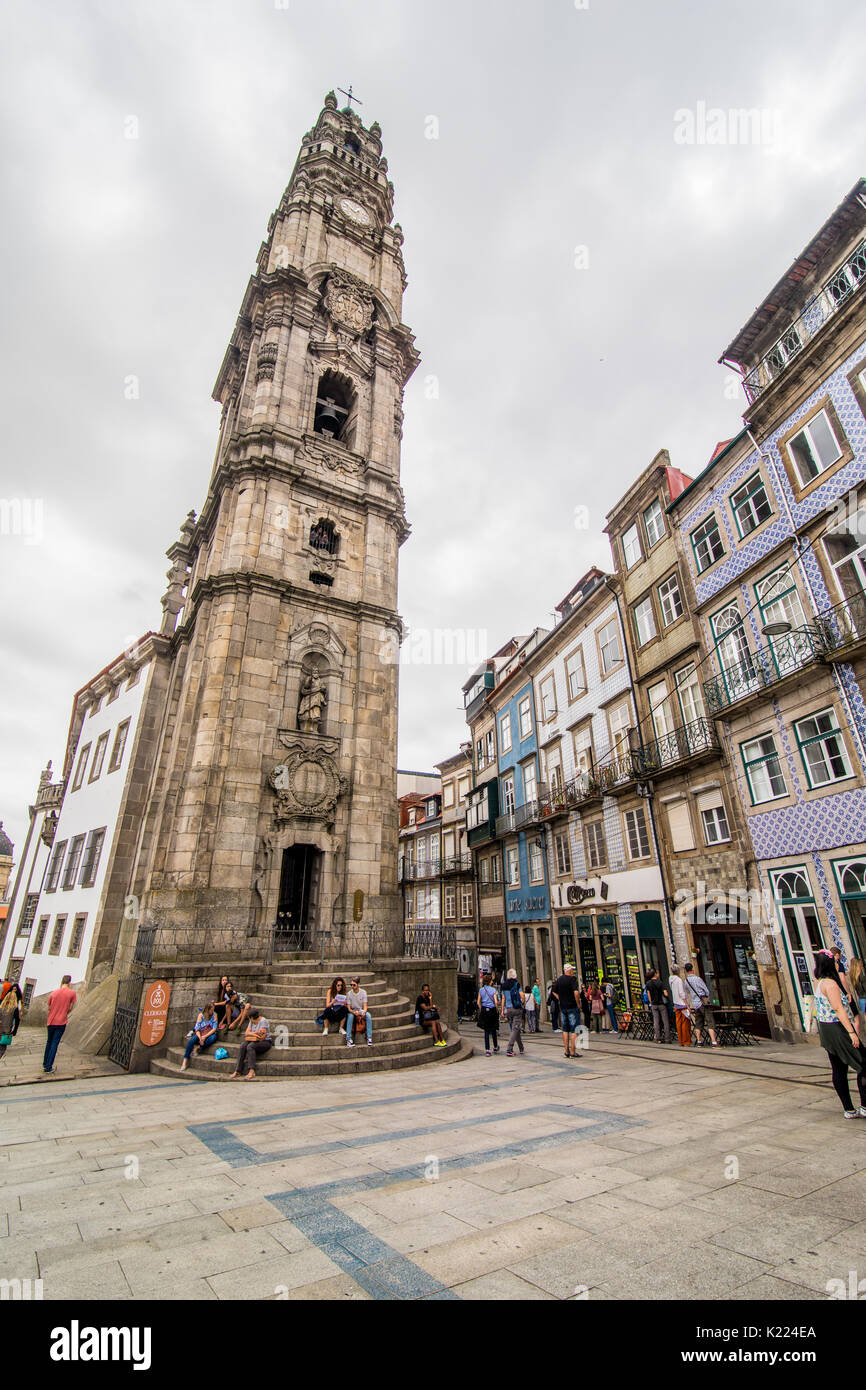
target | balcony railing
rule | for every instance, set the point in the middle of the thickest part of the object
(689, 741)
(425, 868)
(842, 627)
(847, 281)
(429, 941)
(457, 864)
(782, 657)
(529, 814)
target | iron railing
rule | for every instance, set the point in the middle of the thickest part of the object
(843, 626)
(457, 864)
(157, 943)
(832, 296)
(763, 667)
(351, 942)
(425, 868)
(429, 941)
(676, 747)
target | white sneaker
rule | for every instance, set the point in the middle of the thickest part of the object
(350, 1044)
(862, 1112)
(342, 1032)
(851, 1114)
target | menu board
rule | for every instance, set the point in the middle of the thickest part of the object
(588, 962)
(632, 971)
(610, 957)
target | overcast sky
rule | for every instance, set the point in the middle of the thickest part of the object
(575, 272)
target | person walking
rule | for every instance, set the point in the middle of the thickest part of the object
(585, 1004)
(61, 1002)
(658, 1002)
(566, 988)
(698, 996)
(596, 1007)
(513, 999)
(838, 1035)
(682, 1013)
(553, 1006)
(610, 1003)
(536, 990)
(10, 1014)
(531, 1016)
(489, 1004)
(857, 977)
(257, 1041)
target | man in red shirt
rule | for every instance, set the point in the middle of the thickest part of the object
(61, 1002)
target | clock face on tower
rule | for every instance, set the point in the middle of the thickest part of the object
(355, 212)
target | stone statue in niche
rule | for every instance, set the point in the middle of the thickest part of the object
(312, 705)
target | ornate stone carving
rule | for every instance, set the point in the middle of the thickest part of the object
(312, 704)
(264, 855)
(349, 305)
(307, 784)
(267, 362)
(49, 825)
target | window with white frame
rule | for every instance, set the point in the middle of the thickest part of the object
(554, 776)
(495, 869)
(82, 764)
(636, 831)
(505, 732)
(98, 757)
(72, 861)
(751, 505)
(670, 600)
(822, 749)
(536, 862)
(524, 711)
(563, 853)
(466, 902)
(814, 449)
(763, 769)
(779, 601)
(484, 871)
(609, 646)
(410, 907)
(644, 621)
(530, 782)
(119, 745)
(713, 818)
(690, 693)
(448, 790)
(512, 860)
(508, 794)
(596, 849)
(547, 692)
(57, 855)
(654, 523)
(707, 544)
(583, 748)
(490, 746)
(619, 723)
(433, 904)
(450, 902)
(631, 546)
(845, 546)
(92, 853)
(575, 674)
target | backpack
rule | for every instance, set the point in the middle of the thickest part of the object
(514, 994)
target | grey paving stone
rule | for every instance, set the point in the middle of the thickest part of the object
(86, 1282)
(469, 1257)
(285, 1272)
(500, 1285)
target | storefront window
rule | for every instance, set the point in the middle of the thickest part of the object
(632, 971)
(793, 893)
(851, 878)
(611, 962)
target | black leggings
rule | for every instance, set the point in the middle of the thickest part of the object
(840, 1082)
(491, 1034)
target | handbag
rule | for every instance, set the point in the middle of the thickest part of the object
(429, 1015)
(5, 1039)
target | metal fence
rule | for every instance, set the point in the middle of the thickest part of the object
(429, 941)
(123, 1027)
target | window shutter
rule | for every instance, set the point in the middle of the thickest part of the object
(682, 836)
(710, 801)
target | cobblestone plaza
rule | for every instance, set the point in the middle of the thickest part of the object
(633, 1172)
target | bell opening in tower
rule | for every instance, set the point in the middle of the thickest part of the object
(335, 409)
(299, 882)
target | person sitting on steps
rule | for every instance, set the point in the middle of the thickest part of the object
(359, 1015)
(336, 1009)
(428, 1016)
(203, 1035)
(257, 1041)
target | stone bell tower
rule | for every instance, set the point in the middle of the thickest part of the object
(274, 789)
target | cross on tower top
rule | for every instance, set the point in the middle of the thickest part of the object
(349, 96)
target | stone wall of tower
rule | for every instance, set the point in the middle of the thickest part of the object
(241, 773)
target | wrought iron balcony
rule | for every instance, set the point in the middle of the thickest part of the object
(843, 628)
(847, 281)
(689, 741)
(429, 941)
(425, 868)
(783, 656)
(530, 813)
(457, 864)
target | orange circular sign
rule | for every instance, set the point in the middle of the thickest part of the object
(155, 1015)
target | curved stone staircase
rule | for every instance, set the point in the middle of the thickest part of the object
(290, 999)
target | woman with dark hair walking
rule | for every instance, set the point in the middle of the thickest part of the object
(10, 1014)
(838, 1035)
(489, 1004)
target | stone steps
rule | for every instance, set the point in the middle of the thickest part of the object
(346, 1061)
(305, 1032)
